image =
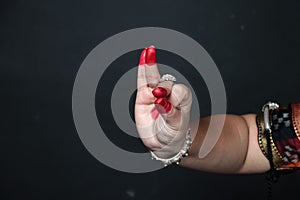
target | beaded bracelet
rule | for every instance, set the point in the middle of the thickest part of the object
(182, 153)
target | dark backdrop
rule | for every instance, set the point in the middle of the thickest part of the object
(43, 43)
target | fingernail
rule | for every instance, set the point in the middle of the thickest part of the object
(162, 105)
(154, 113)
(159, 92)
(143, 57)
(151, 55)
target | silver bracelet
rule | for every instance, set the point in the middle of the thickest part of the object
(265, 109)
(182, 153)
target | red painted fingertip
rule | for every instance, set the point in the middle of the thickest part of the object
(143, 57)
(154, 113)
(160, 92)
(162, 105)
(151, 55)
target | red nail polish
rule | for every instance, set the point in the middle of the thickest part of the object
(151, 55)
(162, 105)
(159, 92)
(143, 57)
(154, 113)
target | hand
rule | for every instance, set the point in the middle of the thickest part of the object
(162, 110)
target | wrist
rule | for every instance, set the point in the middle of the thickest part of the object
(173, 154)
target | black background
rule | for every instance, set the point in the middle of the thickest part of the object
(43, 43)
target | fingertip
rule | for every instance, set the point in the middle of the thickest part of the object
(154, 113)
(151, 55)
(162, 105)
(159, 92)
(143, 57)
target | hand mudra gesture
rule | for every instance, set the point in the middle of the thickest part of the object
(162, 108)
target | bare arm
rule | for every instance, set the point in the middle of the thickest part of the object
(162, 112)
(236, 151)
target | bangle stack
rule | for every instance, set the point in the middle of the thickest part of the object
(265, 139)
(278, 136)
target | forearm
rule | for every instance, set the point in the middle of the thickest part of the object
(236, 150)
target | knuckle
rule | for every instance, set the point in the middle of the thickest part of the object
(181, 88)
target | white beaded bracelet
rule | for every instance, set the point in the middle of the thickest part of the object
(182, 153)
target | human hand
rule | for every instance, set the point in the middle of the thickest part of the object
(162, 109)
